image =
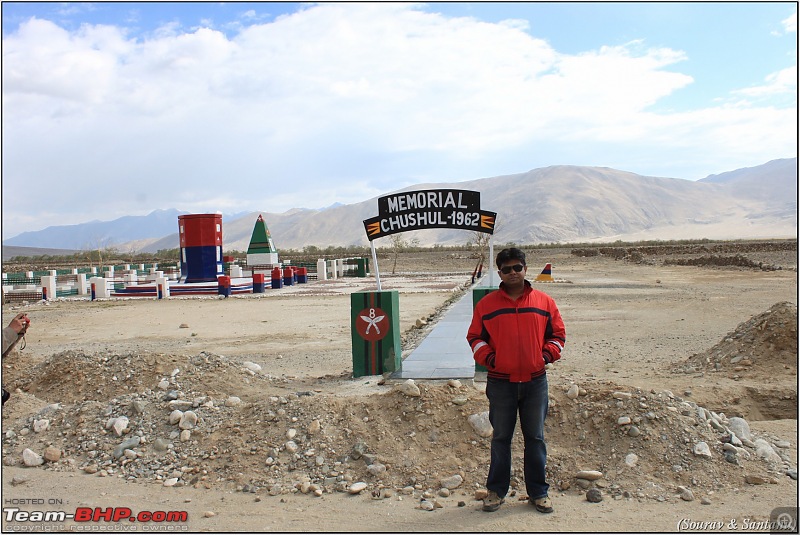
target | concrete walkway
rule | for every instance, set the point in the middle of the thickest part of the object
(445, 353)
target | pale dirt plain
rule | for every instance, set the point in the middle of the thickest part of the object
(633, 325)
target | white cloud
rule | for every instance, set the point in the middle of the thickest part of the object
(337, 102)
(42, 60)
(777, 83)
(790, 23)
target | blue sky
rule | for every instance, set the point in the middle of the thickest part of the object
(268, 106)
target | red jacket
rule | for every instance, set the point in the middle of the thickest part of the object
(515, 339)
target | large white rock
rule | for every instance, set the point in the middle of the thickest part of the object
(409, 388)
(252, 366)
(765, 451)
(701, 449)
(589, 475)
(31, 458)
(480, 423)
(120, 425)
(188, 420)
(355, 488)
(376, 469)
(740, 428)
(452, 482)
(39, 426)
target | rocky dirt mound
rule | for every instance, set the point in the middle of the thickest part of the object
(647, 444)
(210, 421)
(760, 355)
(722, 261)
(765, 344)
(759, 255)
(731, 247)
(75, 376)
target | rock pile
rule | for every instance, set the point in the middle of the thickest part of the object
(722, 260)
(766, 342)
(209, 421)
(782, 254)
(654, 445)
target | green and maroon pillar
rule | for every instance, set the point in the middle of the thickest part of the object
(375, 329)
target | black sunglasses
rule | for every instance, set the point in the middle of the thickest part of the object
(505, 270)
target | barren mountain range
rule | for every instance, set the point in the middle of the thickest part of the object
(561, 203)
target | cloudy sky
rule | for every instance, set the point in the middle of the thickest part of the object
(114, 109)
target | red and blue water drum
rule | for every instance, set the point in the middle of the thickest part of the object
(224, 287)
(201, 247)
(288, 276)
(302, 275)
(277, 281)
(258, 283)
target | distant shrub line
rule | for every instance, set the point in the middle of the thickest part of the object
(313, 252)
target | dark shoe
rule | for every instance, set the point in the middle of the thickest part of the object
(543, 504)
(492, 502)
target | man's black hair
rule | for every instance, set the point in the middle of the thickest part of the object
(511, 253)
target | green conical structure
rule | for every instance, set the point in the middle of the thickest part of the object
(261, 250)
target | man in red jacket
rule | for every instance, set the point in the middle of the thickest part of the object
(515, 331)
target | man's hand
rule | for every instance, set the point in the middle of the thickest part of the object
(20, 323)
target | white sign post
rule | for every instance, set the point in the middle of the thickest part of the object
(375, 263)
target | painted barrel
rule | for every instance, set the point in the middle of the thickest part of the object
(224, 285)
(302, 275)
(288, 276)
(258, 283)
(277, 281)
(201, 247)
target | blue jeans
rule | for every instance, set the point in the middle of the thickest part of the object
(530, 400)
